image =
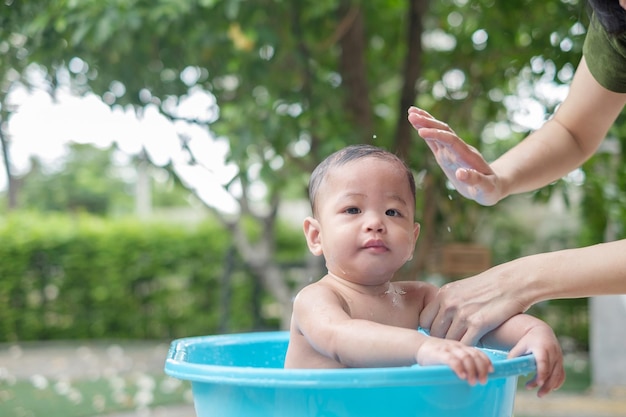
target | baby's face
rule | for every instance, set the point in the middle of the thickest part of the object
(366, 212)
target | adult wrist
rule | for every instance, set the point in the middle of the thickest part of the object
(521, 283)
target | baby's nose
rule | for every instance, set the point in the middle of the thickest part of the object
(374, 222)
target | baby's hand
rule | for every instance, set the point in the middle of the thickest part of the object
(467, 362)
(541, 342)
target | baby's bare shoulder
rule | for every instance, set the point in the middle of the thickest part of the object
(316, 289)
(319, 293)
(416, 287)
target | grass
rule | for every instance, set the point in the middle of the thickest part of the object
(40, 398)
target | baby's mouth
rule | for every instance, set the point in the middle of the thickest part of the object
(376, 245)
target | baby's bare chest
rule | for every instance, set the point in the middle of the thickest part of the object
(391, 309)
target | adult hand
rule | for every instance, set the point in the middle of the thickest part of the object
(464, 166)
(467, 309)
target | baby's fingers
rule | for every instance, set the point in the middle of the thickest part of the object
(550, 374)
(485, 368)
(553, 382)
(521, 349)
(473, 367)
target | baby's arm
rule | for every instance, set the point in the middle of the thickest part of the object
(322, 318)
(524, 334)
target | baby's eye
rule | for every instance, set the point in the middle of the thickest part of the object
(393, 213)
(353, 210)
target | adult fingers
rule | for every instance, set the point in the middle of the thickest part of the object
(421, 118)
(470, 337)
(440, 325)
(428, 314)
(463, 154)
(435, 320)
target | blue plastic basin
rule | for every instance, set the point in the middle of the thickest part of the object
(242, 375)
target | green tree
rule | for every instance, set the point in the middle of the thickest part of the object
(89, 180)
(296, 80)
(86, 181)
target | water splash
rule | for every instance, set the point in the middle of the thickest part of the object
(396, 295)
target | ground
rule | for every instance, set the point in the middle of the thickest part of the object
(64, 365)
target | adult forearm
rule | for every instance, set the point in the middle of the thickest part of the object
(563, 143)
(543, 157)
(572, 273)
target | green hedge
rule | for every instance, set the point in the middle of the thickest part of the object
(67, 277)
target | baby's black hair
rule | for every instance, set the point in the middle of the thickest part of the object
(352, 153)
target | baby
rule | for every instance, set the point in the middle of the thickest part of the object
(363, 205)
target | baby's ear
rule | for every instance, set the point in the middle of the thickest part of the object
(312, 233)
(416, 231)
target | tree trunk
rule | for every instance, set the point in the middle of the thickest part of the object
(412, 72)
(226, 291)
(274, 281)
(11, 180)
(428, 237)
(353, 68)
(260, 255)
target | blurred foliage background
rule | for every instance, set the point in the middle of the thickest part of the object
(291, 82)
(91, 278)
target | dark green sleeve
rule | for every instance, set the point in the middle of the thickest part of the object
(606, 57)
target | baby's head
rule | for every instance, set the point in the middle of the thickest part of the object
(349, 154)
(363, 202)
